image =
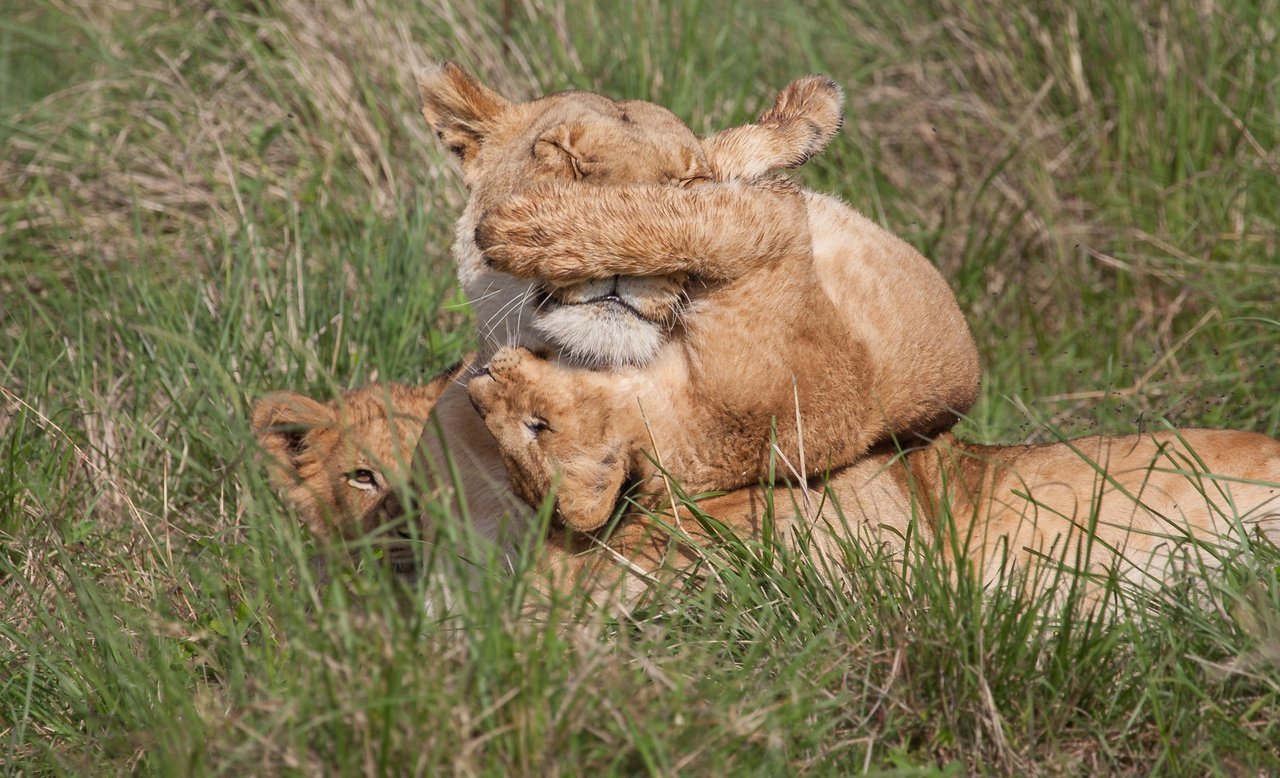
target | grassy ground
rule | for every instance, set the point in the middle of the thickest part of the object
(203, 201)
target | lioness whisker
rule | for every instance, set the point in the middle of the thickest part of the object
(528, 294)
(503, 312)
(471, 302)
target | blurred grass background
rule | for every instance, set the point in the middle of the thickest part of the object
(203, 201)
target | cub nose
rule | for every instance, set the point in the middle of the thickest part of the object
(396, 506)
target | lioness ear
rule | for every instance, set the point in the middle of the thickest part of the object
(803, 119)
(281, 423)
(459, 108)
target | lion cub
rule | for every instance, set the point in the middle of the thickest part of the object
(337, 463)
(712, 309)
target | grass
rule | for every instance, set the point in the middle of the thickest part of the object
(203, 202)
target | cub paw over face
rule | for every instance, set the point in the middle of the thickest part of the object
(544, 162)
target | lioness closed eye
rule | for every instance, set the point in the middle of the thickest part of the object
(722, 306)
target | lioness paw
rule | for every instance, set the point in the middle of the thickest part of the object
(502, 384)
(519, 367)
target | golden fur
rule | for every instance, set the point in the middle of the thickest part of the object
(1123, 500)
(336, 463)
(721, 303)
(1086, 504)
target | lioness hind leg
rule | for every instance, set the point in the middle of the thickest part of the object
(554, 428)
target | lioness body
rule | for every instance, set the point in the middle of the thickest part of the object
(1130, 503)
(717, 308)
(1086, 504)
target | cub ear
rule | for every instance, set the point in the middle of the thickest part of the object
(282, 422)
(418, 400)
(459, 108)
(426, 395)
(803, 119)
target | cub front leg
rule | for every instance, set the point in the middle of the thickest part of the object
(567, 232)
(555, 429)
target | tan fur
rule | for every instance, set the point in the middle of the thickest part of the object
(1135, 497)
(1086, 504)
(1091, 504)
(335, 463)
(717, 300)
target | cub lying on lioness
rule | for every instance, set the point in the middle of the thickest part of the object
(722, 304)
(1087, 504)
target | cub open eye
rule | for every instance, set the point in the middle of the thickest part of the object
(363, 479)
(538, 425)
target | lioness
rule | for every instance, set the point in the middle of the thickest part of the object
(726, 308)
(1087, 504)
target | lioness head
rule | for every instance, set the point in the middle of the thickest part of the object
(339, 464)
(504, 147)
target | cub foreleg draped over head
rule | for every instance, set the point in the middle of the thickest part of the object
(793, 299)
(718, 233)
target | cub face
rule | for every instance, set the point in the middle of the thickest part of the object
(505, 148)
(341, 464)
(547, 422)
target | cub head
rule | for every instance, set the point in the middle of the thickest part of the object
(504, 146)
(340, 464)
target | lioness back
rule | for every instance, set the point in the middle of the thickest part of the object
(1131, 501)
(904, 309)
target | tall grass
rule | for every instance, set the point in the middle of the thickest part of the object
(202, 202)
